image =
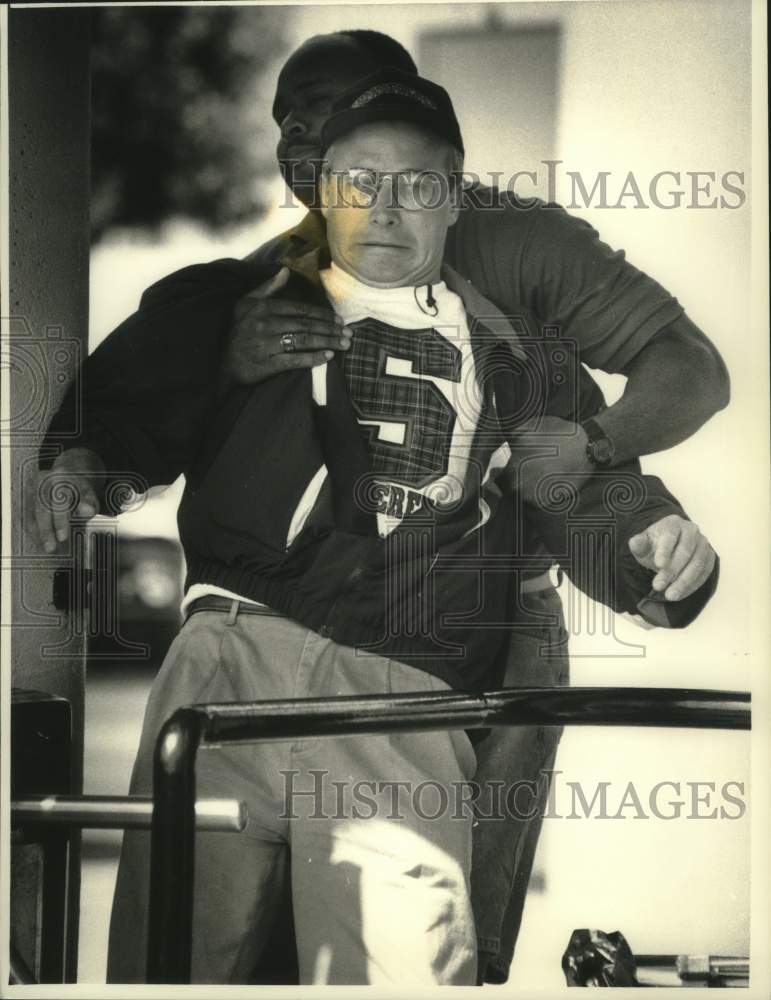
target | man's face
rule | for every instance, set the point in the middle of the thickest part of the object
(311, 80)
(395, 241)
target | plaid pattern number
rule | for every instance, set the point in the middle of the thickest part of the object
(406, 418)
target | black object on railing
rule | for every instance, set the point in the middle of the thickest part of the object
(172, 852)
(596, 958)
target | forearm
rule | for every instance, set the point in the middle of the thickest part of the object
(134, 442)
(674, 385)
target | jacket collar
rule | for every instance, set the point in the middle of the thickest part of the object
(483, 316)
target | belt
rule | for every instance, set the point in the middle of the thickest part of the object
(548, 580)
(213, 602)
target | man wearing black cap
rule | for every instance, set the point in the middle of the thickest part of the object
(324, 519)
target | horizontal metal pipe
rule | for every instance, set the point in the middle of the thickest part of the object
(739, 967)
(173, 841)
(643, 961)
(726, 963)
(248, 722)
(702, 967)
(716, 964)
(119, 812)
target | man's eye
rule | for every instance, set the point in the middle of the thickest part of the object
(365, 180)
(318, 100)
(427, 177)
(429, 188)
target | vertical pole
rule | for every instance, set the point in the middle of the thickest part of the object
(46, 324)
(172, 862)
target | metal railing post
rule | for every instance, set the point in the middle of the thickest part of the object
(172, 848)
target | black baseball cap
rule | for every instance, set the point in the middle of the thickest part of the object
(391, 95)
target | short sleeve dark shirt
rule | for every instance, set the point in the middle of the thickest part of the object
(537, 256)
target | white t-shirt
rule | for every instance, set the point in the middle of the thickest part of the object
(411, 377)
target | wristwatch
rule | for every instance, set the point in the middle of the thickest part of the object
(599, 448)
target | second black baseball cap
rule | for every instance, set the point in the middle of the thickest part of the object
(391, 95)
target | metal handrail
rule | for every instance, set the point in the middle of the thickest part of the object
(173, 828)
(119, 812)
(107, 812)
(692, 970)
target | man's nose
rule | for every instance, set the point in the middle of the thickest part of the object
(385, 211)
(293, 126)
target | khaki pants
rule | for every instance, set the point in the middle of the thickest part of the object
(375, 830)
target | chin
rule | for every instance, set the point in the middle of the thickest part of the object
(301, 176)
(382, 279)
(301, 184)
(304, 167)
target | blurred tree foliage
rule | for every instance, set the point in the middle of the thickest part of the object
(181, 113)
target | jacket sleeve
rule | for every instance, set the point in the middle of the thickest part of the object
(588, 530)
(591, 542)
(141, 400)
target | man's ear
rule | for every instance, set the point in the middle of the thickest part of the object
(453, 193)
